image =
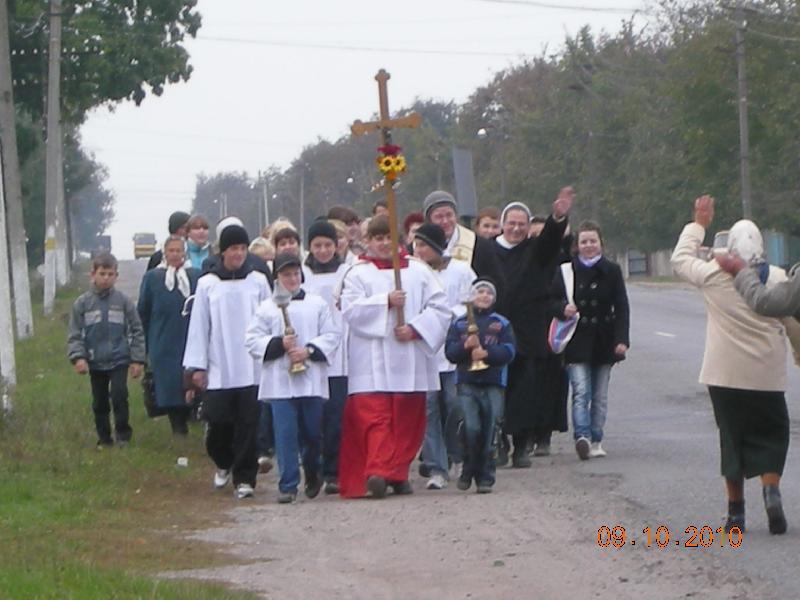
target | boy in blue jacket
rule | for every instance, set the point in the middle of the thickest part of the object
(481, 392)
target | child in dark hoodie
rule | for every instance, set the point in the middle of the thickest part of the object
(481, 392)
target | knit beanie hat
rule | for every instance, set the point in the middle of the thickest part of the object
(436, 199)
(514, 206)
(225, 223)
(321, 228)
(233, 235)
(177, 220)
(433, 235)
(285, 259)
(482, 282)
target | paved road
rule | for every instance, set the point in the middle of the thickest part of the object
(130, 276)
(537, 532)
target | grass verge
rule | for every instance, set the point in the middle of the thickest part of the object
(77, 522)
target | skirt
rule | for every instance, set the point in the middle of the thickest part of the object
(753, 431)
(536, 396)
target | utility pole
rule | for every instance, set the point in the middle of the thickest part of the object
(53, 157)
(62, 239)
(744, 133)
(302, 203)
(265, 191)
(8, 369)
(13, 189)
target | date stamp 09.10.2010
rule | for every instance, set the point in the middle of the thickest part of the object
(661, 537)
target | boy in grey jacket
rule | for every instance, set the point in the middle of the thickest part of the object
(106, 340)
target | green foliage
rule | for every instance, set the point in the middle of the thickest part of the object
(640, 122)
(112, 51)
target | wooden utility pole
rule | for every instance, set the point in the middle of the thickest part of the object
(744, 130)
(53, 158)
(8, 368)
(13, 188)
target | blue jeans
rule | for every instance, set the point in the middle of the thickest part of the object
(332, 427)
(483, 422)
(292, 417)
(589, 399)
(442, 415)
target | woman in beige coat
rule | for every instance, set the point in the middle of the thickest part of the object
(744, 366)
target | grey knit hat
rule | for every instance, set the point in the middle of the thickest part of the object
(436, 199)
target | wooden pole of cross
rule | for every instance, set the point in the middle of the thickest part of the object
(385, 124)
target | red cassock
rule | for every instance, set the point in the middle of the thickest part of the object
(381, 434)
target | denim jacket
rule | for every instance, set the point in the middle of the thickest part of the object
(105, 330)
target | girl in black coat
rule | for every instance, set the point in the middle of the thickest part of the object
(601, 337)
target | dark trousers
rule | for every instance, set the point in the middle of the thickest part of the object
(111, 385)
(232, 417)
(332, 427)
(179, 419)
(483, 418)
(265, 438)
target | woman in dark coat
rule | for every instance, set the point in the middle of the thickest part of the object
(526, 303)
(601, 338)
(162, 297)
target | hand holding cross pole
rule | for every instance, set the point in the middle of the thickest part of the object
(385, 124)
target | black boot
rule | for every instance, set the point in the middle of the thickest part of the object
(735, 516)
(772, 502)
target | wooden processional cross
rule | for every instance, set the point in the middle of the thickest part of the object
(385, 124)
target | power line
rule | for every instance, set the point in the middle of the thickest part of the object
(598, 9)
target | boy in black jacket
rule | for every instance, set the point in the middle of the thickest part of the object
(481, 392)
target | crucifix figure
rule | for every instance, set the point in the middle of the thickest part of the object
(385, 124)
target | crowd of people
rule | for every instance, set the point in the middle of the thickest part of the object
(346, 357)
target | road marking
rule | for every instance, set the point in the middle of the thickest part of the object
(665, 334)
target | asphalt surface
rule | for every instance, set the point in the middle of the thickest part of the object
(662, 470)
(663, 440)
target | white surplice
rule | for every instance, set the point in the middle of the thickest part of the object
(327, 285)
(220, 315)
(456, 279)
(313, 324)
(377, 361)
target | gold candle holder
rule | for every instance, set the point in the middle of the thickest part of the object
(472, 329)
(296, 367)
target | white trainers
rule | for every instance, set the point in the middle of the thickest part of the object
(244, 490)
(221, 478)
(437, 482)
(596, 450)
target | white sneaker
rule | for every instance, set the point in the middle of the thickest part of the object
(596, 450)
(221, 478)
(244, 490)
(437, 482)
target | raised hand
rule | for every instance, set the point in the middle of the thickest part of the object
(563, 203)
(704, 211)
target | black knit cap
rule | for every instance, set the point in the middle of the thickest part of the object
(233, 235)
(433, 235)
(321, 228)
(283, 260)
(177, 220)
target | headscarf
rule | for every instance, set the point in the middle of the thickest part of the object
(744, 239)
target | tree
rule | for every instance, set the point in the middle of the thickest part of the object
(113, 51)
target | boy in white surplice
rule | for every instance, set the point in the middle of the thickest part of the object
(296, 394)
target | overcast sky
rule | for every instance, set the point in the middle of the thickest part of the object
(272, 77)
